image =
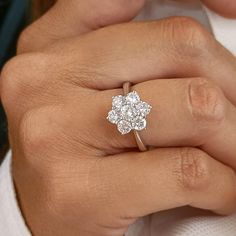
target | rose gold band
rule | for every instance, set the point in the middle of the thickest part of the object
(142, 147)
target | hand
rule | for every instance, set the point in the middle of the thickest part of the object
(75, 17)
(209, 64)
(189, 59)
(87, 185)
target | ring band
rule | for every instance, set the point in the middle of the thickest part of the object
(142, 147)
(129, 114)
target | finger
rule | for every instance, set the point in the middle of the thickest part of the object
(190, 112)
(185, 112)
(226, 8)
(171, 48)
(144, 183)
(176, 119)
(70, 18)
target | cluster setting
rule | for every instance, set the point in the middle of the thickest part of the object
(129, 112)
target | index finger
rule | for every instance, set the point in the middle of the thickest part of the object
(76, 17)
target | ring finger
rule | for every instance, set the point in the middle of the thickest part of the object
(186, 112)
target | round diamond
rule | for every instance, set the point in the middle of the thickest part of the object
(139, 124)
(143, 108)
(125, 109)
(113, 117)
(117, 102)
(124, 127)
(128, 112)
(133, 97)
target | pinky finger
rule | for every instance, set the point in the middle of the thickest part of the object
(162, 179)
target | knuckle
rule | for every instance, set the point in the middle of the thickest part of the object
(194, 169)
(188, 36)
(207, 103)
(17, 80)
(35, 132)
(10, 82)
(24, 40)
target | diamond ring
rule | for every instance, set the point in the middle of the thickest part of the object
(129, 113)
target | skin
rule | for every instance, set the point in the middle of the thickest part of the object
(75, 17)
(226, 8)
(85, 177)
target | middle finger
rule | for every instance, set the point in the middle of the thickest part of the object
(170, 48)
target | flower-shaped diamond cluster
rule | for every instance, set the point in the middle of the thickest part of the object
(129, 112)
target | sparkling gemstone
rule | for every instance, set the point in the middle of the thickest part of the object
(139, 124)
(125, 109)
(126, 112)
(117, 101)
(129, 112)
(132, 97)
(124, 127)
(143, 108)
(113, 117)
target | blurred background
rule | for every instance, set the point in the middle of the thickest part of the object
(14, 16)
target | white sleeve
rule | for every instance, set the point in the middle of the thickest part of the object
(224, 30)
(11, 219)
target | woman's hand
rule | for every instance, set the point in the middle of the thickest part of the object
(77, 17)
(74, 173)
(172, 48)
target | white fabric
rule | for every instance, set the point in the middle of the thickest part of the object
(224, 30)
(158, 9)
(184, 222)
(178, 222)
